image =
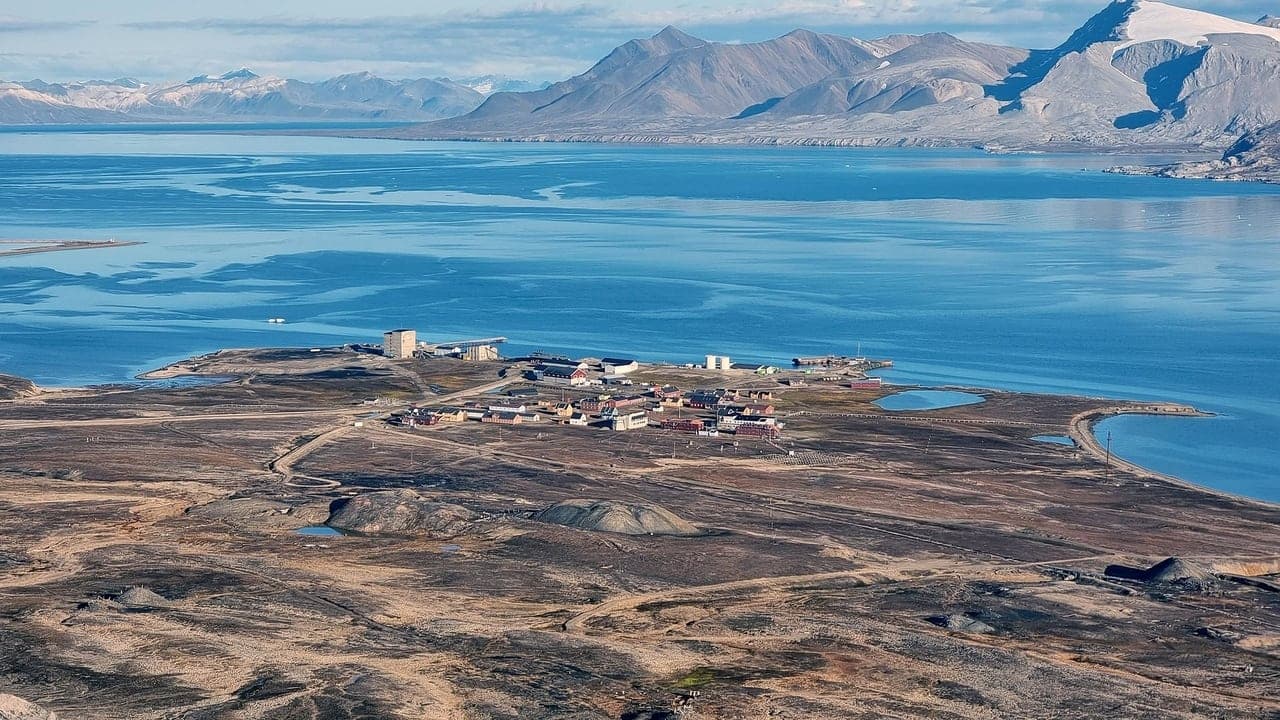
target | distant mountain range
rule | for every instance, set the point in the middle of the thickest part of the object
(490, 84)
(1140, 73)
(238, 96)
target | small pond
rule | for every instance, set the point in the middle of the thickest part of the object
(1055, 439)
(319, 530)
(927, 400)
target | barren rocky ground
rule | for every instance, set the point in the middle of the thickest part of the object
(869, 564)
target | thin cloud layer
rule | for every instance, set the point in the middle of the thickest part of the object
(22, 25)
(533, 41)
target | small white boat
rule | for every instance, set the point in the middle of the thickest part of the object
(275, 321)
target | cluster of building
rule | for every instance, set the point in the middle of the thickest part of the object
(856, 363)
(576, 373)
(403, 344)
(620, 404)
(745, 413)
(510, 414)
(722, 362)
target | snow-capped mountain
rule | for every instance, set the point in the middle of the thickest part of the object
(490, 84)
(1140, 72)
(240, 95)
(1184, 74)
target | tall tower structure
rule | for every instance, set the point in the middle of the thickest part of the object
(399, 344)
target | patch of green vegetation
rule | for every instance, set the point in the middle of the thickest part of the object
(697, 678)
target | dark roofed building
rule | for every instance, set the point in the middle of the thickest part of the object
(565, 375)
(619, 366)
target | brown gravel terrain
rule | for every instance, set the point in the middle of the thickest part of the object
(867, 564)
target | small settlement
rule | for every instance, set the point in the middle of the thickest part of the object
(600, 393)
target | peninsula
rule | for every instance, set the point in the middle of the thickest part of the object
(413, 530)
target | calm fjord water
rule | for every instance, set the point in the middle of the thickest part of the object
(1019, 272)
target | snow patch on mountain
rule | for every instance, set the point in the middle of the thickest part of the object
(1150, 20)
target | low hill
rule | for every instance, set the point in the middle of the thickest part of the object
(15, 387)
(617, 517)
(399, 512)
(1254, 157)
(1169, 570)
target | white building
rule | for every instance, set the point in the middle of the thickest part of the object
(619, 366)
(629, 421)
(399, 344)
(508, 409)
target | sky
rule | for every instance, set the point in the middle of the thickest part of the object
(157, 40)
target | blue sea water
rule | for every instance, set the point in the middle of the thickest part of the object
(1020, 272)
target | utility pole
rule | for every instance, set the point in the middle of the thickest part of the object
(1108, 455)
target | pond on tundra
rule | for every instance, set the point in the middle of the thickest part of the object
(927, 400)
(1055, 439)
(319, 531)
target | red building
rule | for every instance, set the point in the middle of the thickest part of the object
(623, 402)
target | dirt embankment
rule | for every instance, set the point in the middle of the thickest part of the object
(12, 388)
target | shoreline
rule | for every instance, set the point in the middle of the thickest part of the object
(755, 555)
(1080, 428)
(1173, 172)
(870, 142)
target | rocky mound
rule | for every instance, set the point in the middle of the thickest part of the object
(1219, 634)
(1169, 570)
(15, 387)
(399, 512)
(141, 599)
(617, 517)
(13, 707)
(961, 623)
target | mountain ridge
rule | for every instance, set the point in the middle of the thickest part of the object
(237, 95)
(1254, 157)
(1137, 74)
